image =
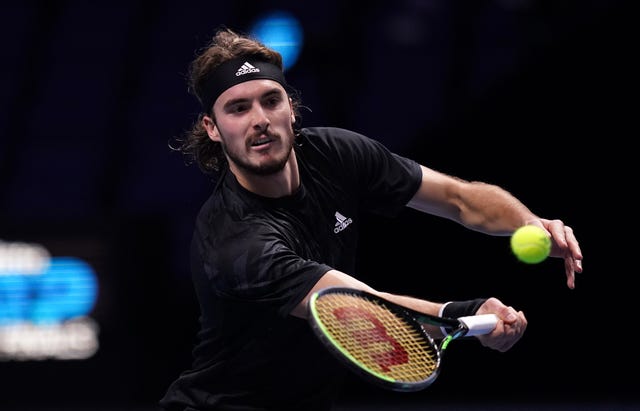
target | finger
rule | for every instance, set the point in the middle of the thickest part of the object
(572, 257)
(511, 337)
(574, 246)
(571, 275)
(559, 233)
(523, 320)
(572, 266)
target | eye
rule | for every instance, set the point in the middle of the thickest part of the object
(272, 101)
(238, 108)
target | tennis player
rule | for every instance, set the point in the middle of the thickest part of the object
(282, 222)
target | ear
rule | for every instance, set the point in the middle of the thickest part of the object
(212, 129)
(293, 114)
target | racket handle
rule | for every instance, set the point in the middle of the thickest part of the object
(479, 324)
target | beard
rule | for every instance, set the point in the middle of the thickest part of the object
(273, 166)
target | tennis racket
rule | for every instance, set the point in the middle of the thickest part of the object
(384, 342)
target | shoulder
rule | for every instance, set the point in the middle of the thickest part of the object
(338, 139)
(229, 210)
(332, 134)
(233, 227)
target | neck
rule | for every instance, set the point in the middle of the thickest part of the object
(281, 184)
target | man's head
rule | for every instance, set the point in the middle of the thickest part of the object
(253, 122)
(215, 68)
(226, 63)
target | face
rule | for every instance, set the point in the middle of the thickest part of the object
(254, 125)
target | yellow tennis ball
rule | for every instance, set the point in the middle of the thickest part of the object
(530, 244)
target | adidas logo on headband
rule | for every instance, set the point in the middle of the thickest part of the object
(228, 74)
(247, 68)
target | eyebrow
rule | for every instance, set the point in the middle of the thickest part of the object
(268, 93)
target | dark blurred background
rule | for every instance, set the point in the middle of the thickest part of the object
(536, 96)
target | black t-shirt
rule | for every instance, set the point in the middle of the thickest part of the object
(253, 259)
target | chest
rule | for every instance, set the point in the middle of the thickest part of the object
(321, 226)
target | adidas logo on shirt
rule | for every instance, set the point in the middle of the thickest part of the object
(342, 223)
(247, 68)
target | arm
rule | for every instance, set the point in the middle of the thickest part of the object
(508, 331)
(492, 210)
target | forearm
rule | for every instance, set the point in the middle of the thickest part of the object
(335, 278)
(490, 209)
(419, 305)
(478, 206)
(413, 303)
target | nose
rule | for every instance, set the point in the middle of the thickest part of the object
(259, 119)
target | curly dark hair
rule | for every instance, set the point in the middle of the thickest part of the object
(225, 45)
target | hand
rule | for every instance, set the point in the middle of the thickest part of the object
(509, 329)
(564, 245)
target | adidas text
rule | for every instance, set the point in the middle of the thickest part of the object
(342, 222)
(247, 71)
(342, 225)
(247, 68)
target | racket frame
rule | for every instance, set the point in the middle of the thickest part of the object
(369, 374)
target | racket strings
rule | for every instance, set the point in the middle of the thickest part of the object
(380, 340)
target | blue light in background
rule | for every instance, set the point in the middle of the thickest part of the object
(67, 289)
(281, 31)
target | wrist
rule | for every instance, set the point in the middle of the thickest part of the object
(456, 309)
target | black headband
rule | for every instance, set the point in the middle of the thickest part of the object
(236, 71)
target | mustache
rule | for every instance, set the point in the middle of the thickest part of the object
(269, 133)
(262, 137)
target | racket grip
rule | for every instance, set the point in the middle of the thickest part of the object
(479, 324)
